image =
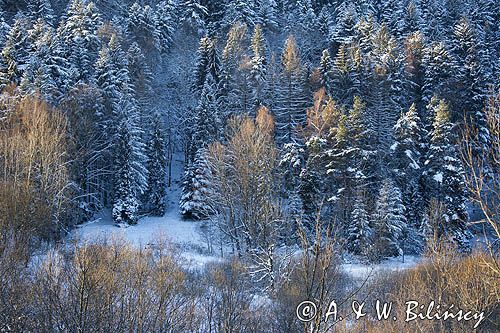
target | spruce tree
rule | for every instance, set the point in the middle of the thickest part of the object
(392, 14)
(237, 66)
(324, 122)
(444, 177)
(15, 52)
(326, 68)
(130, 173)
(196, 188)
(439, 68)
(267, 14)
(112, 75)
(4, 28)
(406, 162)
(207, 62)
(207, 128)
(258, 70)
(207, 119)
(342, 84)
(194, 15)
(411, 19)
(471, 87)
(242, 11)
(39, 70)
(343, 30)
(141, 77)
(79, 40)
(414, 72)
(359, 232)
(167, 13)
(390, 221)
(41, 9)
(143, 27)
(350, 159)
(157, 164)
(386, 93)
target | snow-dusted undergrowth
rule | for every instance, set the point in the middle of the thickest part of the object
(187, 237)
(184, 235)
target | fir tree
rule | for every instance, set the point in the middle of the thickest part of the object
(342, 81)
(140, 75)
(267, 14)
(112, 73)
(470, 89)
(15, 52)
(166, 21)
(207, 120)
(326, 68)
(242, 11)
(411, 19)
(407, 167)
(237, 67)
(433, 26)
(142, 26)
(392, 14)
(196, 188)
(343, 31)
(41, 9)
(4, 28)
(130, 173)
(390, 221)
(258, 63)
(359, 232)
(157, 165)
(305, 24)
(194, 15)
(79, 41)
(386, 93)
(439, 67)
(414, 72)
(444, 177)
(323, 123)
(39, 70)
(207, 62)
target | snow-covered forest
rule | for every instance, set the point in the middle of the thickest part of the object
(202, 165)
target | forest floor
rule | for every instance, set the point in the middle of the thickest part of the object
(186, 236)
(187, 239)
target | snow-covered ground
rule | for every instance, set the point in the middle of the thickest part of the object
(186, 236)
(360, 271)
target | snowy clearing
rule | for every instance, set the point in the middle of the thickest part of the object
(185, 235)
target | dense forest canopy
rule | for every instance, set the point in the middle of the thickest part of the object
(365, 104)
(367, 129)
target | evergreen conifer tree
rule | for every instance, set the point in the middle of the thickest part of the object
(267, 14)
(444, 177)
(15, 51)
(390, 221)
(157, 165)
(41, 9)
(258, 63)
(143, 27)
(196, 188)
(130, 173)
(406, 160)
(194, 15)
(359, 232)
(470, 78)
(166, 21)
